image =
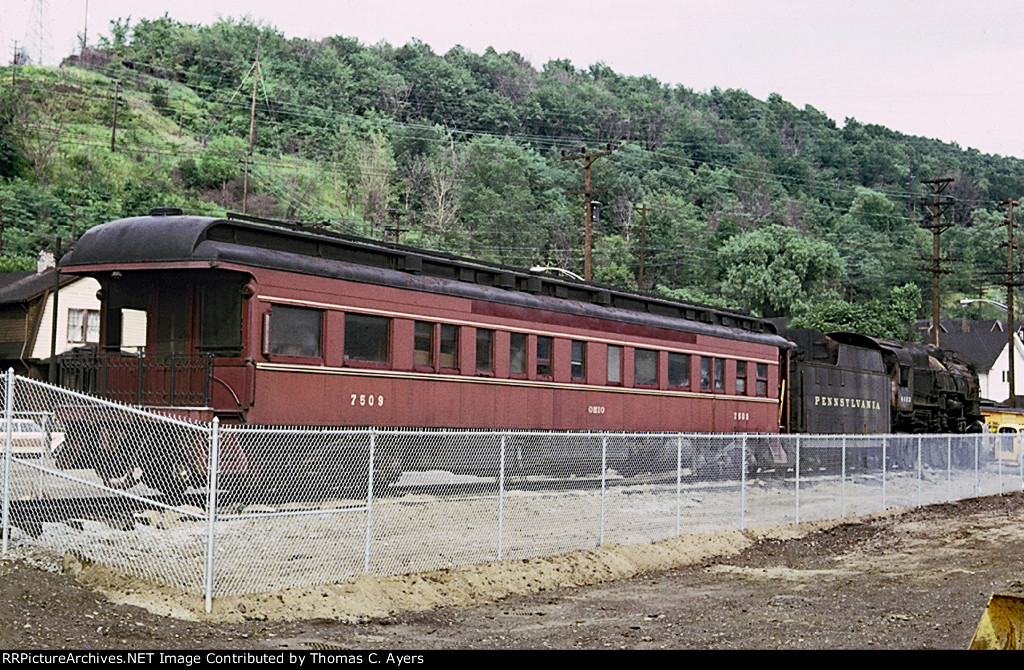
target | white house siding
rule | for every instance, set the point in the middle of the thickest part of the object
(992, 385)
(81, 294)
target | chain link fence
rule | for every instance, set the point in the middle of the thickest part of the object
(221, 510)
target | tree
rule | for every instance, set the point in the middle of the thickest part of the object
(32, 121)
(498, 203)
(773, 267)
(376, 169)
(890, 319)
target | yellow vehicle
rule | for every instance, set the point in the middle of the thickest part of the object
(1006, 421)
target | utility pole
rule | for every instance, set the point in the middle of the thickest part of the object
(936, 206)
(85, 33)
(113, 127)
(1011, 273)
(585, 159)
(643, 234)
(397, 230)
(52, 372)
(252, 124)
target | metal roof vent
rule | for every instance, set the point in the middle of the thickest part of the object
(166, 211)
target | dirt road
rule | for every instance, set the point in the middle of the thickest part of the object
(914, 580)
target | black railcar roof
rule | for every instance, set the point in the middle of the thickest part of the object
(173, 237)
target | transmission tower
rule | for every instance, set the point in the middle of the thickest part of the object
(39, 25)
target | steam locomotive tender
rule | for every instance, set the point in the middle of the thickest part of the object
(845, 383)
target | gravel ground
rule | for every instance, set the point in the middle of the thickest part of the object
(913, 580)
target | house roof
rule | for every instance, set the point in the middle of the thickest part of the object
(982, 348)
(18, 287)
(924, 326)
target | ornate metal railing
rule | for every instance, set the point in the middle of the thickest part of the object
(149, 380)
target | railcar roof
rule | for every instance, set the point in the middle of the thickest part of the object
(173, 237)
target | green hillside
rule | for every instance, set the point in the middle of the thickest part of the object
(751, 204)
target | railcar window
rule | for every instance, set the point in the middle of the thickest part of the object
(719, 374)
(705, 373)
(366, 338)
(484, 350)
(614, 364)
(517, 353)
(171, 319)
(741, 378)
(762, 379)
(579, 359)
(295, 331)
(423, 344)
(544, 346)
(679, 370)
(645, 367)
(220, 318)
(449, 357)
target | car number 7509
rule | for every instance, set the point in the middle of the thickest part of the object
(364, 400)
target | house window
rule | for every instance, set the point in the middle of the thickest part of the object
(83, 326)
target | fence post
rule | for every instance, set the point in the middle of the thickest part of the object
(8, 449)
(211, 507)
(920, 470)
(604, 468)
(501, 498)
(842, 480)
(977, 454)
(885, 443)
(996, 448)
(743, 482)
(369, 501)
(679, 484)
(949, 468)
(797, 479)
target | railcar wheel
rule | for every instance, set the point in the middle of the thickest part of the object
(167, 466)
(724, 463)
(112, 462)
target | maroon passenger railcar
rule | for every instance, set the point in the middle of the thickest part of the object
(266, 323)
